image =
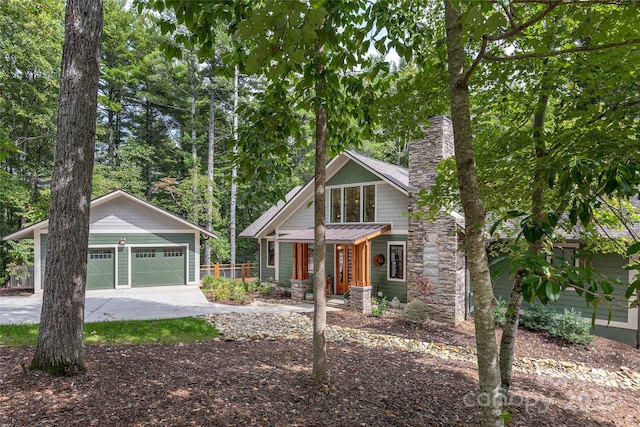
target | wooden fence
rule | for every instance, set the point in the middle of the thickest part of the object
(244, 271)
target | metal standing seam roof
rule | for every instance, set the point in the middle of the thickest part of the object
(339, 234)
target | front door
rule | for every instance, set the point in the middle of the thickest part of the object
(342, 269)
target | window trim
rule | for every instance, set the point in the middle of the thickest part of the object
(271, 241)
(343, 214)
(576, 261)
(404, 260)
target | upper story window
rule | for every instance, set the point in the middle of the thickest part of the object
(353, 204)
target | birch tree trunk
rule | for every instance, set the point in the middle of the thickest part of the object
(234, 174)
(59, 350)
(490, 397)
(211, 146)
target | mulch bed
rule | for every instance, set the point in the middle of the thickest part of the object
(269, 383)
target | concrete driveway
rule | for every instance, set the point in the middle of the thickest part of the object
(133, 304)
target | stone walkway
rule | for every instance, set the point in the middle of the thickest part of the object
(289, 325)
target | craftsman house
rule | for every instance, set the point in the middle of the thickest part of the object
(132, 243)
(372, 245)
(374, 248)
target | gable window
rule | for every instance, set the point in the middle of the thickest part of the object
(396, 261)
(336, 205)
(353, 204)
(271, 253)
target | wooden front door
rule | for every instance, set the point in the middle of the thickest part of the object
(342, 269)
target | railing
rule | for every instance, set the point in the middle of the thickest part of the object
(244, 271)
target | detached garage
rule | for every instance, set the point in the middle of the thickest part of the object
(132, 243)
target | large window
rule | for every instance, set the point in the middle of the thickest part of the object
(353, 204)
(396, 261)
(271, 253)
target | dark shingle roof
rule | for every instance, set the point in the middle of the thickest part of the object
(257, 225)
(394, 173)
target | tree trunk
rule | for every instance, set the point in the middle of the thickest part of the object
(510, 330)
(490, 398)
(319, 248)
(59, 350)
(211, 146)
(234, 174)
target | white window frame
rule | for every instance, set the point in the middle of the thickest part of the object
(343, 214)
(271, 241)
(404, 260)
(576, 261)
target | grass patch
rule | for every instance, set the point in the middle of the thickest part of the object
(162, 331)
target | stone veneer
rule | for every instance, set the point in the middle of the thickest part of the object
(433, 247)
(361, 299)
(299, 289)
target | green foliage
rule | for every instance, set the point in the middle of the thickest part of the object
(266, 288)
(224, 290)
(572, 328)
(379, 306)
(538, 317)
(132, 332)
(416, 312)
(500, 311)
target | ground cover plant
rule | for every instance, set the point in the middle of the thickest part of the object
(268, 383)
(137, 332)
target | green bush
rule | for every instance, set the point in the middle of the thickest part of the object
(237, 292)
(500, 311)
(253, 286)
(538, 317)
(379, 306)
(416, 312)
(266, 288)
(572, 328)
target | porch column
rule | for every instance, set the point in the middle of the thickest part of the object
(300, 271)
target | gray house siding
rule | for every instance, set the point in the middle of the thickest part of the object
(390, 205)
(301, 219)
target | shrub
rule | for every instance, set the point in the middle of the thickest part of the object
(379, 306)
(416, 312)
(572, 328)
(538, 317)
(266, 288)
(237, 292)
(253, 286)
(500, 311)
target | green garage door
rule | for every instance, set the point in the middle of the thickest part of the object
(158, 266)
(100, 269)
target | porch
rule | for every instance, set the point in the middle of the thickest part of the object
(350, 246)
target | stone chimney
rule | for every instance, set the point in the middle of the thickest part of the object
(433, 252)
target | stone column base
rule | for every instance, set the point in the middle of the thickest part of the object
(361, 299)
(299, 289)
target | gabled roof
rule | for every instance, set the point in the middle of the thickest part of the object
(251, 230)
(27, 233)
(395, 175)
(389, 172)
